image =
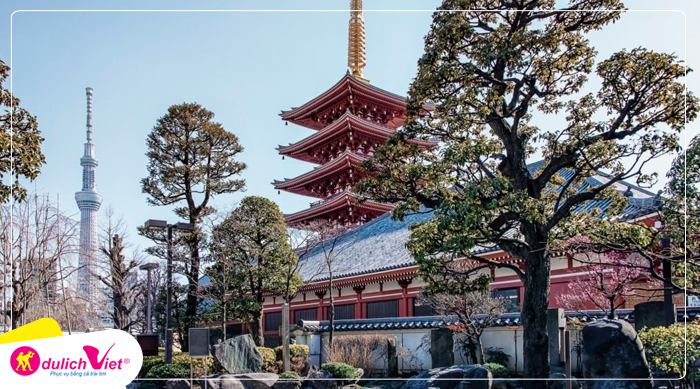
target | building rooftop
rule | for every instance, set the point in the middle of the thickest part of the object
(380, 245)
(507, 320)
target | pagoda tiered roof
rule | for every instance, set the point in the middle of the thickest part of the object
(347, 132)
(327, 179)
(345, 208)
(350, 94)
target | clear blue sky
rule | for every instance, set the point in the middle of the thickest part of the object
(244, 66)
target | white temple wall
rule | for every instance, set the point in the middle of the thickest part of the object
(413, 347)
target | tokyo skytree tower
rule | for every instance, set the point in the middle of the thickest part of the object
(89, 202)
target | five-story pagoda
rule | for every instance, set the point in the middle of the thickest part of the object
(351, 120)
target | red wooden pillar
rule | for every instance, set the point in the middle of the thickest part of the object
(358, 305)
(409, 307)
(319, 311)
(403, 303)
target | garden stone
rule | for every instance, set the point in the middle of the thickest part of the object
(239, 355)
(437, 378)
(225, 381)
(559, 381)
(289, 383)
(177, 384)
(257, 380)
(612, 349)
(321, 380)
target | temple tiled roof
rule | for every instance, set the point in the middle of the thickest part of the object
(380, 245)
(508, 319)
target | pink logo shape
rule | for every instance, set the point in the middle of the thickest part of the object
(25, 361)
(92, 354)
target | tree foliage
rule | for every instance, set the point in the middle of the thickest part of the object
(20, 143)
(251, 247)
(676, 221)
(609, 281)
(674, 349)
(191, 159)
(484, 83)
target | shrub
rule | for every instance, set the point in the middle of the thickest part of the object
(299, 354)
(359, 350)
(497, 370)
(269, 361)
(169, 371)
(148, 363)
(200, 365)
(339, 370)
(496, 355)
(289, 375)
(665, 348)
(295, 351)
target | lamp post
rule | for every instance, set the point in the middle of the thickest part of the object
(148, 267)
(669, 308)
(163, 225)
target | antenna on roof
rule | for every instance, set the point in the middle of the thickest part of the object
(356, 41)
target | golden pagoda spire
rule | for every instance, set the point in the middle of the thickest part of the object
(356, 40)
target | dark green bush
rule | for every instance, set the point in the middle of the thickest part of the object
(148, 363)
(289, 375)
(498, 371)
(169, 371)
(339, 370)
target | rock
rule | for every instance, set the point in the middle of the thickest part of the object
(287, 383)
(239, 355)
(257, 380)
(444, 378)
(306, 369)
(359, 372)
(559, 381)
(611, 349)
(352, 386)
(178, 384)
(225, 381)
(320, 380)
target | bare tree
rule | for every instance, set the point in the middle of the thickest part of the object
(326, 241)
(475, 311)
(33, 237)
(119, 275)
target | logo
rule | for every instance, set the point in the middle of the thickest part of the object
(25, 361)
(92, 354)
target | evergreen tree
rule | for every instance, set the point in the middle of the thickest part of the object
(252, 247)
(18, 125)
(481, 80)
(191, 159)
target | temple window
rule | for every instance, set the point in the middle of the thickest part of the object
(305, 314)
(511, 297)
(422, 309)
(343, 312)
(379, 309)
(273, 321)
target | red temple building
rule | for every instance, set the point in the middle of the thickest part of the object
(351, 120)
(375, 281)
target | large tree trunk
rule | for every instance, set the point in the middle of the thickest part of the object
(331, 314)
(193, 278)
(256, 330)
(534, 315)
